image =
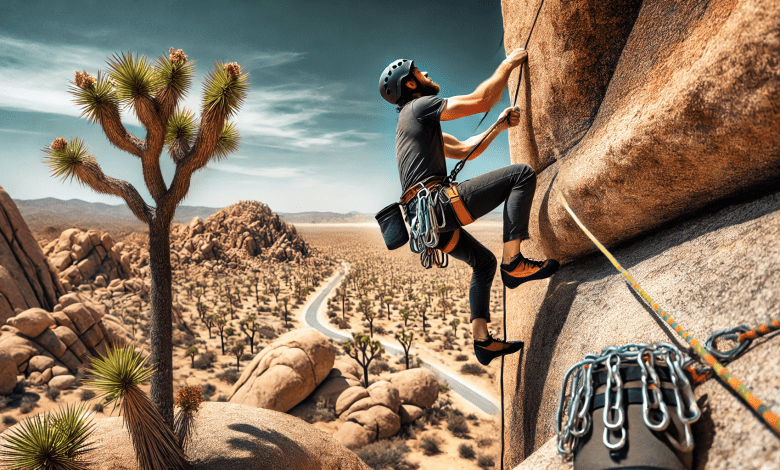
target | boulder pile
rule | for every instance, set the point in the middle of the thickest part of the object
(378, 411)
(87, 256)
(26, 279)
(245, 229)
(49, 347)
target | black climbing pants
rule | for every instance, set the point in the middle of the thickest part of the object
(513, 185)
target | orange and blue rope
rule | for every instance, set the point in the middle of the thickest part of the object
(725, 375)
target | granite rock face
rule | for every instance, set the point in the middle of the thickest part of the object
(90, 256)
(643, 112)
(26, 279)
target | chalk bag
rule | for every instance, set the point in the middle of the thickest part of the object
(630, 407)
(391, 223)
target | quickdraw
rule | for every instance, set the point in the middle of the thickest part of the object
(742, 335)
(424, 234)
(576, 406)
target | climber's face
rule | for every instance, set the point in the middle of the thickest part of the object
(422, 84)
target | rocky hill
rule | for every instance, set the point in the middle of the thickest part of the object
(657, 121)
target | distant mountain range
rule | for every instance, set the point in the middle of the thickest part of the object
(54, 215)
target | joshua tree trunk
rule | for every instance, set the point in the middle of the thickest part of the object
(161, 332)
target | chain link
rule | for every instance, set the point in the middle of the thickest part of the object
(576, 405)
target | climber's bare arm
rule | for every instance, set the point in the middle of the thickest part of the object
(453, 148)
(487, 94)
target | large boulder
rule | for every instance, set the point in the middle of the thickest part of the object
(230, 436)
(285, 372)
(417, 387)
(32, 322)
(89, 256)
(26, 278)
(8, 372)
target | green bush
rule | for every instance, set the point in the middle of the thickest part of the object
(97, 407)
(86, 394)
(386, 455)
(430, 446)
(466, 451)
(471, 368)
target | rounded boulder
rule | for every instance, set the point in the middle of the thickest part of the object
(416, 387)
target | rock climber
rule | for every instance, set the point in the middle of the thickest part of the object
(421, 148)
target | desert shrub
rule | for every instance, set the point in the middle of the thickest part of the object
(267, 332)
(205, 360)
(222, 398)
(430, 446)
(379, 329)
(324, 412)
(484, 441)
(97, 407)
(247, 357)
(86, 394)
(52, 393)
(28, 404)
(386, 455)
(472, 417)
(4, 402)
(208, 391)
(457, 425)
(332, 314)
(444, 387)
(9, 420)
(461, 357)
(344, 325)
(466, 451)
(485, 461)
(428, 339)
(20, 387)
(229, 375)
(471, 368)
(379, 366)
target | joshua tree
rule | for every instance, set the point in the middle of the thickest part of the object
(188, 400)
(369, 315)
(422, 309)
(249, 326)
(191, 352)
(343, 295)
(154, 91)
(363, 350)
(286, 312)
(220, 322)
(454, 324)
(118, 376)
(230, 298)
(238, 351)
(210, 322)
(405, 314)
(388, 301)
(405, 338)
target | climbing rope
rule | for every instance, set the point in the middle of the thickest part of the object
(722, 372)
(424, 234)
(654, 360)
(742, 335)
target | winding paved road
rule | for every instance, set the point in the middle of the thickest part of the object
(310, 316)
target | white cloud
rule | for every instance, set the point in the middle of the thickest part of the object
(278, 172)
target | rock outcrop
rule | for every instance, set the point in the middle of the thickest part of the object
(235, 436)
(47, 347)
(26, 279)
(89, 256)
(656, 120)
(245, 229)
(286, 371)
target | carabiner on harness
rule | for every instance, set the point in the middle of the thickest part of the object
(424, 233)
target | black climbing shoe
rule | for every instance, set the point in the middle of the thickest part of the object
(526, 269)
(492, 348)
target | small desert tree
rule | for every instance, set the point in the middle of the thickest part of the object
(249, 326)
(220, 323)
(154, 92)
(405, 338)
(238, 351)
(388, 301)
(363, 350)
(191, 352)
(369, 315)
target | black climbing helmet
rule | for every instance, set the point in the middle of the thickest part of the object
(392, 77)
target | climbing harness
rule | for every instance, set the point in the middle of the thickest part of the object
(659, 366)
(424, 233)
(722, 372)
(742, 335)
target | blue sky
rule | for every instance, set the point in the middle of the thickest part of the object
(316, 135)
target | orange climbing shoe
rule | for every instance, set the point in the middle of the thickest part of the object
(492, 348)
(526, 269)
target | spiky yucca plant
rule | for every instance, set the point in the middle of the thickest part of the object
(153, 91)
(117, 377)
(188, 400)
(50, 441)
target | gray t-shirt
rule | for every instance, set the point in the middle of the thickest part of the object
(419, 146)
